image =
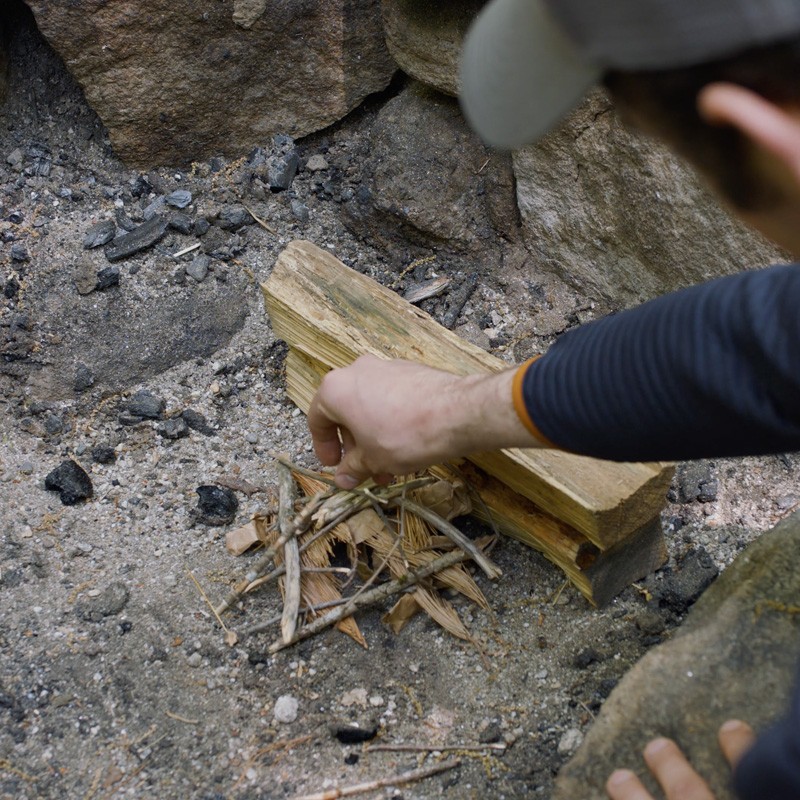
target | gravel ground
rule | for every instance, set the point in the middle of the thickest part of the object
(114, 678)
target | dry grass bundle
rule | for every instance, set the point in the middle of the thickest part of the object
(394, 540)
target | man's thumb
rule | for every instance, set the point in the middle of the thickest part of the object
(351, 471)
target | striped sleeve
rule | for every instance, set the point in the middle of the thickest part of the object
(709, 371)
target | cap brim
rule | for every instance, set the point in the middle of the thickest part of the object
(520, 74)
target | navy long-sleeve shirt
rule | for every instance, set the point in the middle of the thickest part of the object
(712, 370)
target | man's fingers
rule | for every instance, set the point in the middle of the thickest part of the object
(624, 785)
(324, 434)
(735, 739)
(352, 470)
(674, 773)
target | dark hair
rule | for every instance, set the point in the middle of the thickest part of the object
(668, 99)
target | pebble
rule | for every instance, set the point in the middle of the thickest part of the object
(569, 742)
(99, 234)
(316, 163)
(286, 708)
(231, 218)
(180, 198)
(197, 422)
(26, 467)
(84, 378)
(106, 278)
(71, 481)
(197, 268)
(281, 172)
(251, 438)
(104, 454)
(182, 223)
(175, 428)
(146, 404)
(19, 252)
(194, 660)
(299, 211)
(216, 505)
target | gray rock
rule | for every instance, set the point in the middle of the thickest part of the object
(316, 163)
(281, 171)
(299, 210)
(19, 252)
(107, 604)
(197, 422)
(197, 268)
(231, 218)
(145, 404)
(106, 278)
(175, 428)
(679, 587)
(692, 478)
(84, 378)
(99, 234)
(419, 174)
(15, 158)
(734, 657)
(70, 480)
(104, 454)
(180, 198)
(141, 238)
(182, 223)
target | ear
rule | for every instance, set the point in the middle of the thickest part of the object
(770, 127)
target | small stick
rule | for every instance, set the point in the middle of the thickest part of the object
(381, 783)
(291, 553)
(429, 748)
(261, 222)
(487, 565)
(186, 250)
(179, 718)
(260, 627)
(373, 596)
(210, 604)
(309, 473)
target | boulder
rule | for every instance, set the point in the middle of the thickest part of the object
(425, 38)
(619, 216)
(734, 656)
(175, 81)
(431, 178)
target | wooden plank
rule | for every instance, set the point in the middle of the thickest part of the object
(599, 575)
(334, 314)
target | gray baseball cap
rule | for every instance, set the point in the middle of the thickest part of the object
(526, 63)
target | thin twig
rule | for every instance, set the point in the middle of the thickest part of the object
(205, 597)
(487, 565)
(372, 597)
(309, 473)
(430, 748)
(394, 780)
(179, 718)
(186, 250)
(261, 222)
(291, 553)
(260, 627)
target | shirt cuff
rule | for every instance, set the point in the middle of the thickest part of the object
(518, 395)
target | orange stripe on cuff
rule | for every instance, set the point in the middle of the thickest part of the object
(522, 409)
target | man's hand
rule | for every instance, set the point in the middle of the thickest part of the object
(674, 773)
(380, 418)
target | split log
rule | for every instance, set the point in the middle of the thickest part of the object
(598, 574)
(331, 314)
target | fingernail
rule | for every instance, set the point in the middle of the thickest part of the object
(656, 746)
(731, 725)
(620, 776)
(344, 481)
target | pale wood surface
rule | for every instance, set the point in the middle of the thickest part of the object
(333, 314)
